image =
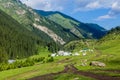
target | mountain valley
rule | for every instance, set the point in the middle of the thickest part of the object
(50, 45)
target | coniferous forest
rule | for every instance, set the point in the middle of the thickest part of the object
(15, 40)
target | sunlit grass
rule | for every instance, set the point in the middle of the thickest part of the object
(109, 56)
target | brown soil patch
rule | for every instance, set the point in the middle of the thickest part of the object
(114, 71)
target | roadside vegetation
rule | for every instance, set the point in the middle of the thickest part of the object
(30, 61)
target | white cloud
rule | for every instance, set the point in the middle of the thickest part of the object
(86, 5)
(74, 6)
(104, 17)
(47, 5)
(78, 5)
(93, 4)
(115, 10)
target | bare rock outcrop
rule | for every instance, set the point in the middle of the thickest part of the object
(97, 63)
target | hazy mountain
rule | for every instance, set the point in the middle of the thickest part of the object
(80, 29)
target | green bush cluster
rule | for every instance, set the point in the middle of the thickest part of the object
(39, 59)
(16, 64)
(48, 59)
(25, 63)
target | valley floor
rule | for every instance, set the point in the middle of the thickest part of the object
(70, 69)
(67, 68)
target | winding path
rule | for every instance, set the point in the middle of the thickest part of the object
(74, 70)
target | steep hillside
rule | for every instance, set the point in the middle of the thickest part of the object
(80, 29)
(111, 40)
(41, 26)
(15, 40)
(112, 34)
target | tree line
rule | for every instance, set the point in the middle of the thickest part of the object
(17, 42)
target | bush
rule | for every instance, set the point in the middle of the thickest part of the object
(25, 63)
(48, 59)
(38, 59)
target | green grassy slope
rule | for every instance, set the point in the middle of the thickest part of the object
(111, 41)
(78, 45)
(109, 45)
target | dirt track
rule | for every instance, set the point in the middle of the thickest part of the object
(72, 69)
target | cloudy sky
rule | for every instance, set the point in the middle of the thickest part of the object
(103, 12)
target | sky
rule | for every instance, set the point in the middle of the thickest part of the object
(105, 13)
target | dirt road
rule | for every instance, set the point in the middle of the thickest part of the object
(72, 69)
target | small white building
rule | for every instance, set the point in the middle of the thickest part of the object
(11, 61)
(53, 55)
(67, 54)
(61, 53)
(84, 53)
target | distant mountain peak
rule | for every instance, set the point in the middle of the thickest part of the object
(80, 29)
(27, 16)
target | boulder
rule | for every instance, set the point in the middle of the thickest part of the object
(97, 63)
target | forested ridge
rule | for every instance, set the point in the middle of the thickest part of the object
(15, 40)
(27, 17)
